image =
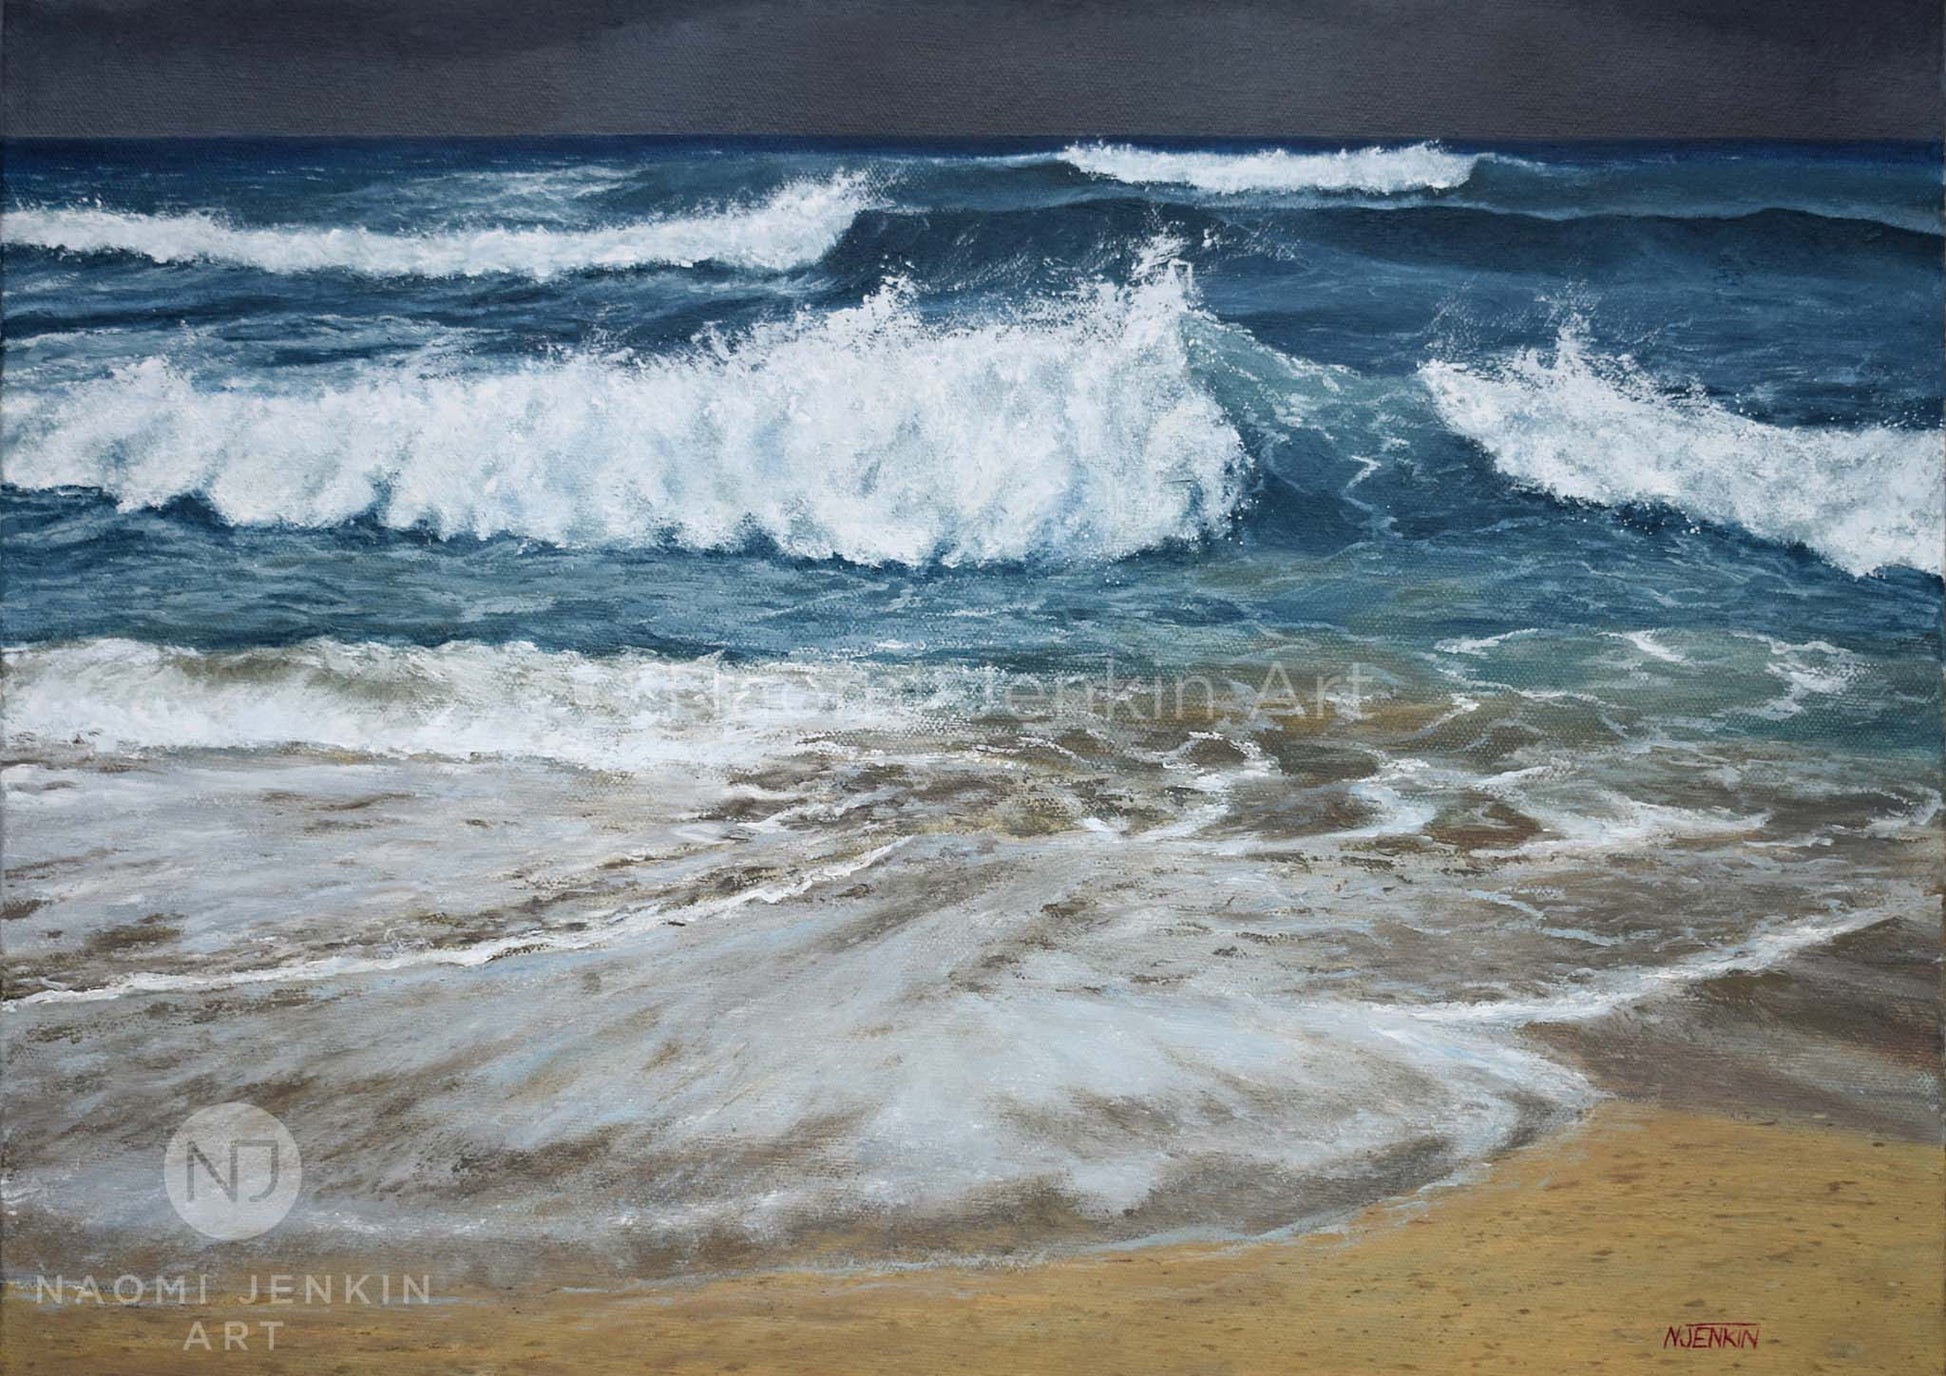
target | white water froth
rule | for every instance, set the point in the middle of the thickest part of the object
(1073, 430)
(455, 701)
(796, 226)
(632, 924)
(1602, 432)
(1770, 946)
(1382, 171)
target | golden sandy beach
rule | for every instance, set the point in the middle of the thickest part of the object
(1579, 1253)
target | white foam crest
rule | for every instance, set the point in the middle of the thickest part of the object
(1479, 646)
(796, 226)
(1383, 171)
(1814, 669)
(1613, 823)
(1646, 643)
(456, 701)
(1863, 499)
(1770, 945)
(1071, 431)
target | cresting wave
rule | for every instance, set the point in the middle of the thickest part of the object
(1071, 431)
(1603, 432)
(794, 227)
(1420, 167)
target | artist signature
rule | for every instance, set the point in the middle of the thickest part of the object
(1711, 1335)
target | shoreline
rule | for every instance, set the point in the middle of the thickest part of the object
(1580, 1251)
(1793, 1205)
(1767, 1153)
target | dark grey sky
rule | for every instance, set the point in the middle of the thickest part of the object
(1330, 68)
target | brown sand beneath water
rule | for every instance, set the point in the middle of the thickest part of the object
(1576, 1254)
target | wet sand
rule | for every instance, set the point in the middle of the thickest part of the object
(1579, 1253)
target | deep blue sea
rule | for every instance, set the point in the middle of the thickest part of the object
(610, 394)
(727, 520)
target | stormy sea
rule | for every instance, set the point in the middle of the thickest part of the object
(705, 705)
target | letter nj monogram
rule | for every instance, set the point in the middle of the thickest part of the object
(234, 1183)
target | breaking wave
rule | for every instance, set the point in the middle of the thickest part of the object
(1421, 167)
(794, 227)
(1073, 430)
(1604, 433)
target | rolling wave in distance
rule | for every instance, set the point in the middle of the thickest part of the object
(792, 228)
(1421, 167)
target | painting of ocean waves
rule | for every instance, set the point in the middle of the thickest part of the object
(706, 704)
